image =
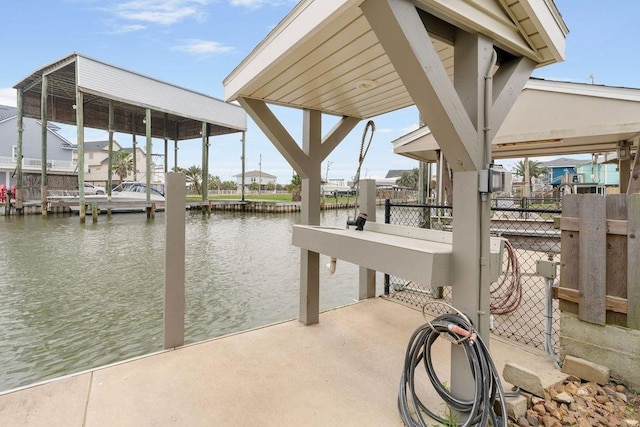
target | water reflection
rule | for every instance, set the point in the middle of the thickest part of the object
(76, 296)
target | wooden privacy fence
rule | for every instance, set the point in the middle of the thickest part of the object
(600, 258)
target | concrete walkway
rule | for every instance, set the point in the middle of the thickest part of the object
(344, 371)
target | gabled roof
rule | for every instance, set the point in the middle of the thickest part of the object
(324, 55)
(396, 173)
(96, 146)
(176, 112)
(562, 162)
(552, 118)
(256, 174)
(7, 112)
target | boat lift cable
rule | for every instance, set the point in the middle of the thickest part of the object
(488, 389)
(364, 148)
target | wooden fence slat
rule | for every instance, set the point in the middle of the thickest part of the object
(616, 282)
(615, 304)
(633, 262)
(569, 252)
(613, 226)
(593, 253)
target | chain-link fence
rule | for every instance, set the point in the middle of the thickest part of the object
(519, 296)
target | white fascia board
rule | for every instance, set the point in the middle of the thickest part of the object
(549, 28)
(470, 17)
(585, 89)
(410, 137)
(298, 26)
(101, 79)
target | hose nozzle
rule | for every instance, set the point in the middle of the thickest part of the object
(358, 222)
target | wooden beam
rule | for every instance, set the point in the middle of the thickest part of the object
(277, 134)
(405, 40)
(337, 134)
(616, 304)
(508, 82)
(614, 226)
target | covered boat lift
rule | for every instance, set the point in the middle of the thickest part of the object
(84, 92)
(461, 63)
(558, 118)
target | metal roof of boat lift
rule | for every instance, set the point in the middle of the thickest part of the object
(176, 112)
(324, 55)
(552, 118)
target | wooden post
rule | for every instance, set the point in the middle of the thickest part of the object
(110, 160)
(18, 195)
(43, 142)
(616, 256)
(80, 138)
(174, 264)
(149, 153)
(367, 277)
(634, 180)
(633, 267)
(570, 249)
(591, 261)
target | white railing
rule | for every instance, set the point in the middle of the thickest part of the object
(31, 164)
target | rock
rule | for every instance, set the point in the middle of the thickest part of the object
(516, 407)
(522, 422)
(582, 422)
(613, 422)
(540, 409)
(571, 388)
(582, 391)
(621, 389)
(586, 370)
(533, 381)
(550, 407)
(563, 397)
(532, 417)
(632, 423)
(549, 421)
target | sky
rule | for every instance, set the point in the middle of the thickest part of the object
(197, 43)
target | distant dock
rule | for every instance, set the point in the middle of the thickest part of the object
(104, 206)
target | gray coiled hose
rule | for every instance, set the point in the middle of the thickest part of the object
(488, 388)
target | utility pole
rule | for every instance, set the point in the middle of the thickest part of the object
(260, 176)
(326, 178)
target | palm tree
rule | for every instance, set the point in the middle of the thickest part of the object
(121, 164)
(295, 188)
(193, 176)
(409, 179)
(535, 170)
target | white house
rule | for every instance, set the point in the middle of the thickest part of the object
(60, 165)
(96, 163)
(258, 177)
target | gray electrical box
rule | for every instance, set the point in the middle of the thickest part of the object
(546, 268)
(494, 179)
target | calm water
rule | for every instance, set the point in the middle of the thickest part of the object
(75, 296)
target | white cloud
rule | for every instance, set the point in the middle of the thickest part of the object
(163, 12)
(255, 4)
(203, 47)
(8, 97)
(123, 29)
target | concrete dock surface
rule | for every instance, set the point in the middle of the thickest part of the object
(344, 371)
